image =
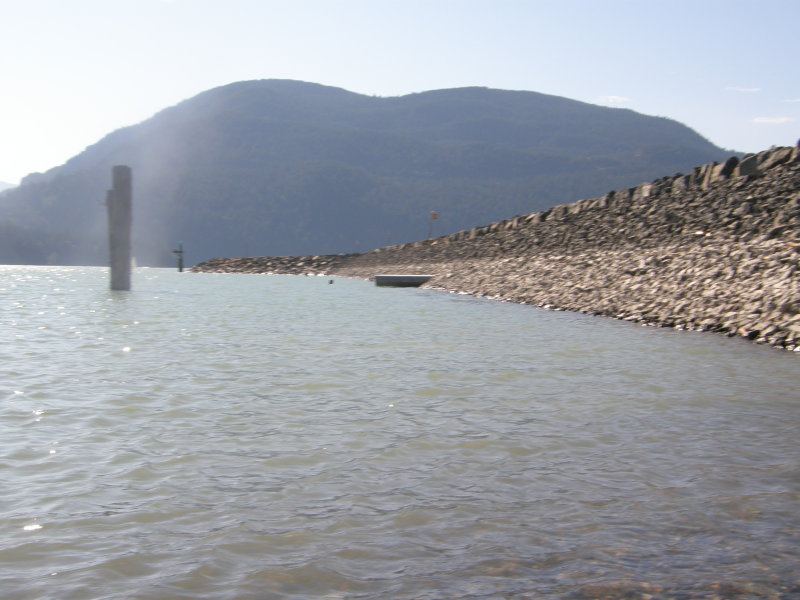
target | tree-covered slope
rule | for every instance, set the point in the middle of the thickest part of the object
(285, 167)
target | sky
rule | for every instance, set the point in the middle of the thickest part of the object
(72, 71)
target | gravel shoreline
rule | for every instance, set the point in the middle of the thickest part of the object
(717, 249)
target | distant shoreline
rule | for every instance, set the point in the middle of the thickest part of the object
(715, 250)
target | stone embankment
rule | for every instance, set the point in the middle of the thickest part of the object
(717, 249)
(276, 265)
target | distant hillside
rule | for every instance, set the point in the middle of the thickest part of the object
(6, 186)
(283, 167)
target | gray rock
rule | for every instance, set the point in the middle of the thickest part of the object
(777, 157)
(747, 166)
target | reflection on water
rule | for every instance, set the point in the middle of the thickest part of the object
(250, 437)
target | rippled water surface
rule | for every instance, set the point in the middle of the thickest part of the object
(224, 436)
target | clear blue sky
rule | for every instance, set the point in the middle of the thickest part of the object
(72, 71)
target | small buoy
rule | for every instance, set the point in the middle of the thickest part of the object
(330, 281)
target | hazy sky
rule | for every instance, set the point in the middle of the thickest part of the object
(73, 70)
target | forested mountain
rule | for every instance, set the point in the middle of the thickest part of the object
(277, 167)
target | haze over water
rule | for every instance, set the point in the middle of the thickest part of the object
(279, 437)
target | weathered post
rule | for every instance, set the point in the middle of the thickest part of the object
(179, 254)
(434, 217)
(118, 201)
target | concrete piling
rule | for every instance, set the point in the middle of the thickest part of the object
(178, 252)
(119, 204)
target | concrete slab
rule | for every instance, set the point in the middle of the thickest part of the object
(401, 280)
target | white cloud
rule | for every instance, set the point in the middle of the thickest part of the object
(613, 100)
(792, 100)
(742, 90)
(773, 120)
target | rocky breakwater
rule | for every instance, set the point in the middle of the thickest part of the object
(274, 265)
(717, 249)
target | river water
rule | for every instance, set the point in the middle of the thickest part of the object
(241, 436)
